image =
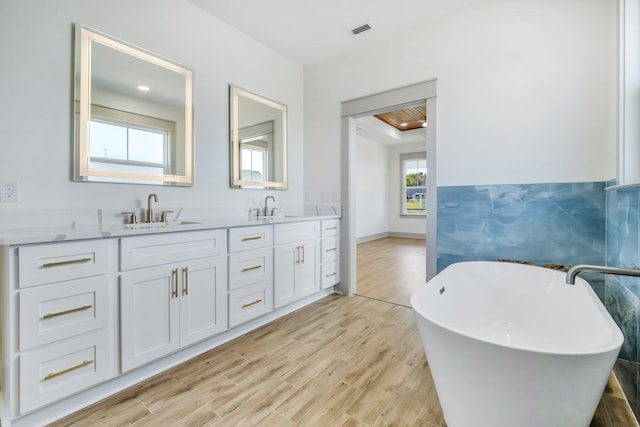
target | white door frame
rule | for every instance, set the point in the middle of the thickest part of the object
(375, 104)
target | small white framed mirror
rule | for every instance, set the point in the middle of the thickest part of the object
(258, 134)
(133, 114)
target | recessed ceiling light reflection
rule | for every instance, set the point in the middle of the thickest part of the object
(144, 88)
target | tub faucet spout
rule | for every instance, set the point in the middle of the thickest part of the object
(576, 269)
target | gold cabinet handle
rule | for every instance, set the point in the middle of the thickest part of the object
(331, 274)
(174, 276)
(185, 287)
(251, 238)
(302, 262)
(330, 249)
(298, 254)
(331, 228)
(69, 262)
(53, 375)
(256, 267)
(62, 313)
(258, 301)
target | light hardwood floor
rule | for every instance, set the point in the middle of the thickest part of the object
(391, 269)
(342, 361)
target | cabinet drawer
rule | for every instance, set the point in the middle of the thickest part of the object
(56, 371)
(296, 232)
(250, 302)
(246, 238)
(246, 268)
(57, 262)
(54, 312)
(329, 249)
(330, 274)
(329, 227)
(158, 249)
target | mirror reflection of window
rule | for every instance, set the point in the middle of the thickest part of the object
(256, 142)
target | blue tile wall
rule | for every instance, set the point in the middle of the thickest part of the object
(542, 223)
(622, 294)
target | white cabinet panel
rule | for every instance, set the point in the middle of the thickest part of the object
(57, 262)
(250, 302)
(58, 370)
(149, 313)
(168, 248)
(247, 238)
(246, 268)
(329, 227)
(54, 312)
(296, 271)
(203, 305)
(296, 232)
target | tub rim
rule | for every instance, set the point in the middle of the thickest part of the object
(614, 343)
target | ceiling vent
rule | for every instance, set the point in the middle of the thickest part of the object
(361, 29)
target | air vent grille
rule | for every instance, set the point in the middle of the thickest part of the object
(361, 29)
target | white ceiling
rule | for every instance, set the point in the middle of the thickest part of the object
(310, 32)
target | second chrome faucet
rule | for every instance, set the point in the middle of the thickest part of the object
(149, 209)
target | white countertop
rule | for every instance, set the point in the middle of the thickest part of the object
(28, 235)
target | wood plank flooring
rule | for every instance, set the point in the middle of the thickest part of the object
(342, 361)
(391, 269)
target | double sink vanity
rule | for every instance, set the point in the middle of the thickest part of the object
(90, 311)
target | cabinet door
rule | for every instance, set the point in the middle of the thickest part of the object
(285, 261)
(149, 310)
(203, 291)
(308, 277)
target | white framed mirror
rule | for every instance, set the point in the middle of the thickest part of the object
(258, 134)
(133, 114)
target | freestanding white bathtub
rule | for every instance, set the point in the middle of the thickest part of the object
(514, 345)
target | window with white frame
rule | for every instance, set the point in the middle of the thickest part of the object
(413, 167)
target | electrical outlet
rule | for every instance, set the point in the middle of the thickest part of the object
(9, 191)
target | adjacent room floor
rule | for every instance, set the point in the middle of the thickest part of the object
(342, 361)
(391, 269)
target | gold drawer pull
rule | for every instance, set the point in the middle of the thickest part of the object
(69, 262)
(185, 287)
(331, 249)
(331, 228)
(258, 301)
(332, 274)
(174, 277)
(62, 313)
(251, 238)
(53, 375)
(251, 268)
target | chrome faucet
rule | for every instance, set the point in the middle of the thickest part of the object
(266, 209)
(149, 210)
(576, 269)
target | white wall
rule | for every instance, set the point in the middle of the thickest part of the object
(36, 86)
(372, 196)
(398, 224)
(526, 93)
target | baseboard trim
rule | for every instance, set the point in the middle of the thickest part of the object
(408, 235)
(372, 237)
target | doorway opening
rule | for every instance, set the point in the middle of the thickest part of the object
(397, 99)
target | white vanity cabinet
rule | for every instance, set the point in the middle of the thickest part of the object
(296, 261)
(172, 292)
(63, 316)
(330, 255)
(250, 273)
